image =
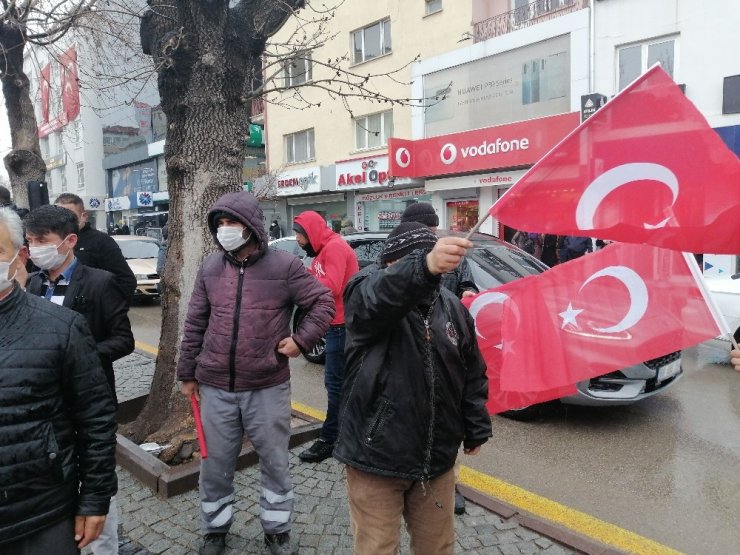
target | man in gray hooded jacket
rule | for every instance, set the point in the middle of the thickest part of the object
(234, 358)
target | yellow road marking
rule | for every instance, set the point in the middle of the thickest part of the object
(572, 519)
(530, 502)
(146, 348)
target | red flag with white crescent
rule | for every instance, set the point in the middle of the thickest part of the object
(70, 85)
(645, 168)
(487, 309)
(45, 88)
(620, 306)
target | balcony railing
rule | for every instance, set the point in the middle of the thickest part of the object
(258, 107)
(525, 16)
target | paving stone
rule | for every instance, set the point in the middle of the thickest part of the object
(544, 543)
(509, 549)
(554, 550)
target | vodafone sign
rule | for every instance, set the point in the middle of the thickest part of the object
(502, 146)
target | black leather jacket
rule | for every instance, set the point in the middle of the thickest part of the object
(413, 390)
(57, 423)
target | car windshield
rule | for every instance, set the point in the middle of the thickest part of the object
(139, 249)
(494, 264)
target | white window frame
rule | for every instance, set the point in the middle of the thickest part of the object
(63, 179)
(382, 24)
(292, 73)
(80, 175)
(290, 141)
(644, 53)
(432, 6)
(363, 126)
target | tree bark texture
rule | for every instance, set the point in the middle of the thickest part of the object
(23, 162)
(205, 53)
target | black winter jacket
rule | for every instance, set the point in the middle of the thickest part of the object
(98, 250)
(94, 294)
(412, 392)
(57, 418)
(460, 279)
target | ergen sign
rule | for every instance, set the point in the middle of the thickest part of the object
(503, 146)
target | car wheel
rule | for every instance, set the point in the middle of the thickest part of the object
(524, 414)
(317, 355)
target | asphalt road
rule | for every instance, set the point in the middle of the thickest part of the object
(667, 468)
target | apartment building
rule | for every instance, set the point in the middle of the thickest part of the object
(102, 143)
(335, 161)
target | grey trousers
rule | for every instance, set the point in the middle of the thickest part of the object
(264, 416)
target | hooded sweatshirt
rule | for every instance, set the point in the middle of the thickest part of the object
(241, 310)
(335, 261)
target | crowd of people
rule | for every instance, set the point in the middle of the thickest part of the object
(555, 249)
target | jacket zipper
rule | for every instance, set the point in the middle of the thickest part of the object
(235, 330)
(377, 421)
(429, 367)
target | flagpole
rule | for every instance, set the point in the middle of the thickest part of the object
(711, 302)
(476, 227)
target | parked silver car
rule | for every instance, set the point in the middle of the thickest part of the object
(495, 262)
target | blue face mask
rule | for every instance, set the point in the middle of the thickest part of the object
(6, 280)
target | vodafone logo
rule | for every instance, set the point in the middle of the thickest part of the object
(448, 154)
(403, 157)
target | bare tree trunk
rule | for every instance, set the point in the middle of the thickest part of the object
(23, 162)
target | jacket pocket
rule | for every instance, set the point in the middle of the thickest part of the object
(54, 456)
(377, 421)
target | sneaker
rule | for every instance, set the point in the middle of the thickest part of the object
(213, 544)
(319, 451)
(279, 544)
(459, 502)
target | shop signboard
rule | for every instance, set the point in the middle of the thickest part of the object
(298, 182)
(94, 203)
(499, 179)
(116, 204)
(362, 173)
(55, 161)
(136, 178)
(590, 103)
(391, 195)
(503, 146)
(520, 84)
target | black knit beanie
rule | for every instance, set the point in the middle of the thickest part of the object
(421, 212)
(406, 238)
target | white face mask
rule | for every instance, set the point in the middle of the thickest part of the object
(48, 257)
(231, 238)
(6, 280)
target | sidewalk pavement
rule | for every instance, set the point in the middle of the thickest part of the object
(150, 525)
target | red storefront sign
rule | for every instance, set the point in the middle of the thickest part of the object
(502, 146)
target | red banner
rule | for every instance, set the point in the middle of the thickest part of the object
(70, 84)
(502, 146)
(645, 168)
(45, 88)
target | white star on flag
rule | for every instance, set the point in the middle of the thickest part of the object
(569, 316)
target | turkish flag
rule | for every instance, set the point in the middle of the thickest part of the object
(602, 312)
(487, 309)
(70, 86)
(45, 87)
(645, 168)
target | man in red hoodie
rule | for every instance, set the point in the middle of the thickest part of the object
(334, 263)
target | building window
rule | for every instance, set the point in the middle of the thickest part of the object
(634, 60)
(299, 147)
(373, 131)
(433, 6)
(62, 180)
(77, 133)
(297, 71)
(372, 41)
(44, 145)
(80, 175)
